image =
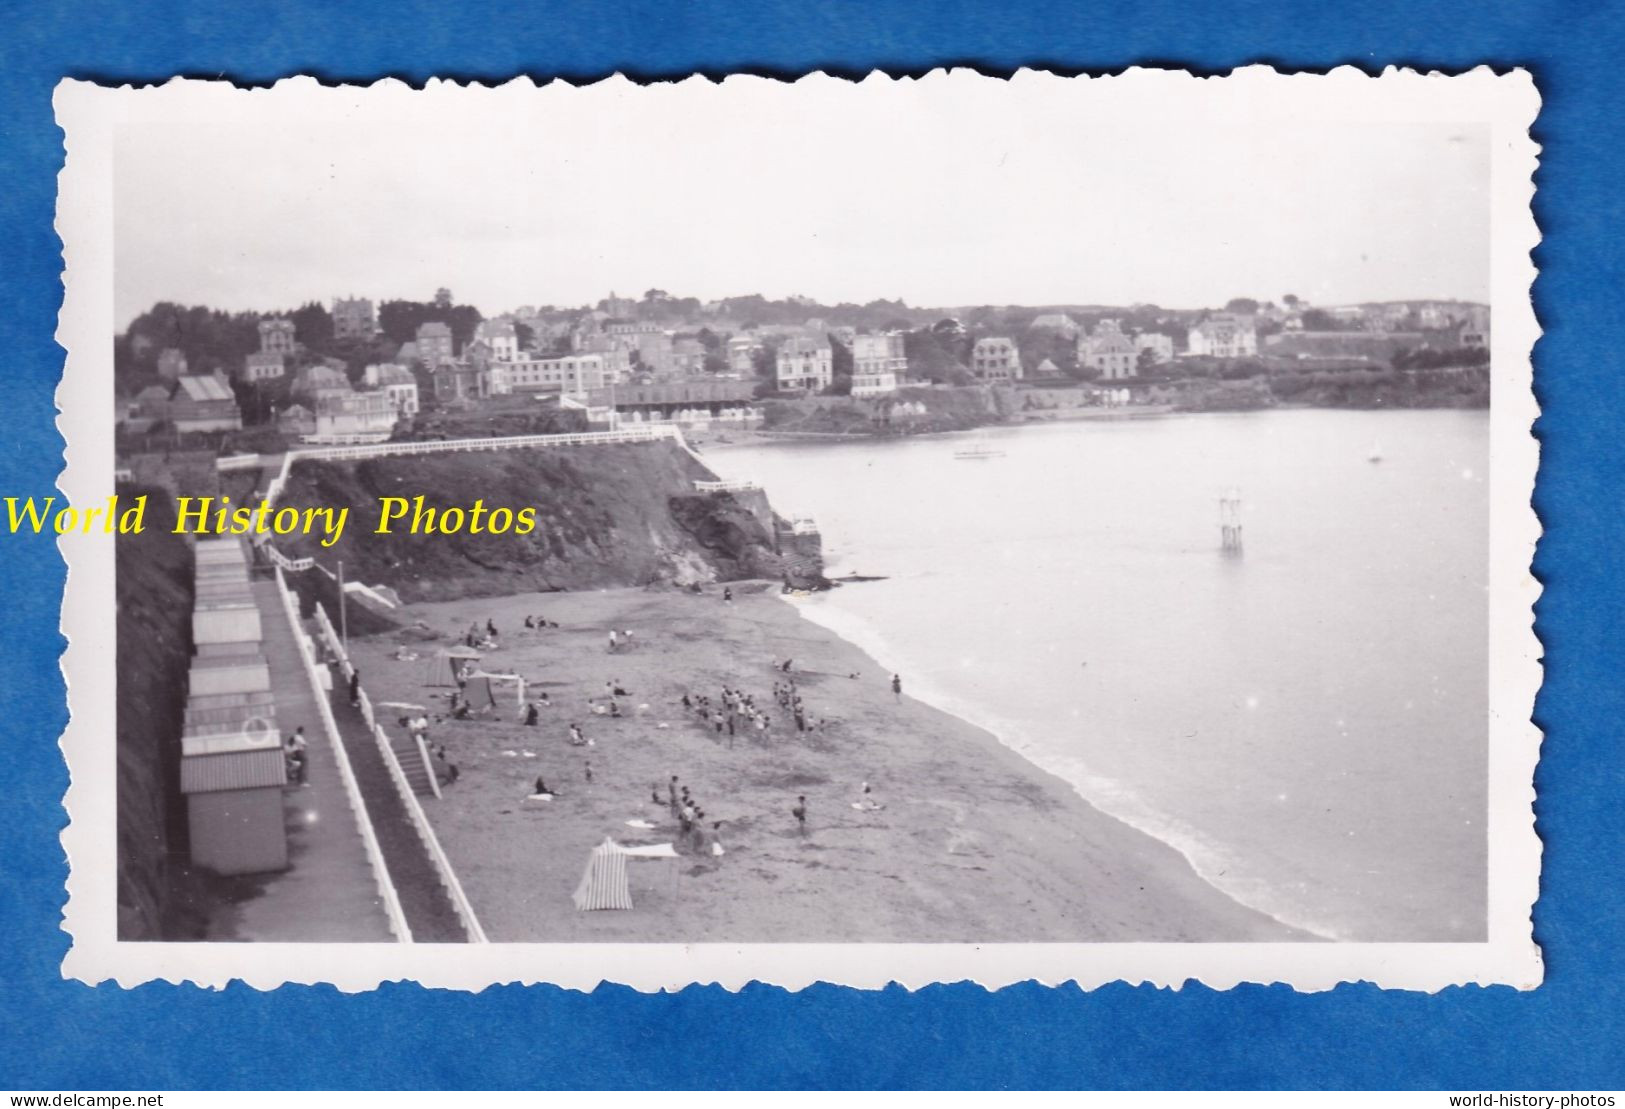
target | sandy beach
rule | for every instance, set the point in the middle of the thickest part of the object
(973, 843)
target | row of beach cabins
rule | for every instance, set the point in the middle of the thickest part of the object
(233, 768)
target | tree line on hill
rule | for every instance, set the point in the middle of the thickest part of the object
(215, 340)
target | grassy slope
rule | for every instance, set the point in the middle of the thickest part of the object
(606, 516)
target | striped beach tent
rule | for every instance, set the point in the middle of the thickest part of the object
(603, 884)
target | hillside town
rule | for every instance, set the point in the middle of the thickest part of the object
(356, 371)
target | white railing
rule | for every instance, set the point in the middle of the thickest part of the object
(237, 462)
(123, 474)
(273, 491)
(431, 842)
(414, 809)
(344, 438)
(352, 790)
(494, 443)
(423, 753)
(283, 562)
(742, 486)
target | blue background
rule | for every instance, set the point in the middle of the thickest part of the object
(55, 1034)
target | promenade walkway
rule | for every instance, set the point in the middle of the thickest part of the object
(428, 908)
(328, 893)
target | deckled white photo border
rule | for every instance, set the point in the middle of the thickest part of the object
(1507, 104)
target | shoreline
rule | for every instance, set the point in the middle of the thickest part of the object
(1039, 417)
(975, 843)
(872, 642)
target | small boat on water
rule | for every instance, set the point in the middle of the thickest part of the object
(1376, 453)
(979, 450)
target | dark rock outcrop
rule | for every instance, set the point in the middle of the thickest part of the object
(606, 516)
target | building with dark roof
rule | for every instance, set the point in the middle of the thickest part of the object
(204, 404)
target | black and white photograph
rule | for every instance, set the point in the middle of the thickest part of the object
(895, 530)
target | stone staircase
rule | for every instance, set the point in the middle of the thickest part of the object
(419, 774)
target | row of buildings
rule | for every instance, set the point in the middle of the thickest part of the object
(806, 362)
(597, 350)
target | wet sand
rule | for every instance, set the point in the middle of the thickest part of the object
(974, 844)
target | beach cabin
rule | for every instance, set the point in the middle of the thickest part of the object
(251, 714)
(242, 671)
(234, 803)
(224, 625)
(234, 708)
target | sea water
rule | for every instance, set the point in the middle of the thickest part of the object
(1306, 720)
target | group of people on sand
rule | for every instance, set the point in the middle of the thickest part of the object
(486, 639)
(733, 712)
(543, 792)
(866, 802)
(532, 715)
(692, 834)
(621, 641)
(460, 708)
(538, 623)
(789, 698)
(609, 704)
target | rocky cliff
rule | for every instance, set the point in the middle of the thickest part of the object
(154, 649)
(605, 516)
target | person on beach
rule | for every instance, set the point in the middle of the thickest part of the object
(587, 770)
(654, 793)
(727, 595)
(577, 739)
(672, 790)
(532, 714)
(355, 687)
(296, 768)
(530, 621)
(866, 800)
(614, 640)
(541, 789)
(295, 755)
(800, 813)
(490, 627)
(897, 687)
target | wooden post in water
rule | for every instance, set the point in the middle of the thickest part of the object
(1230, 521)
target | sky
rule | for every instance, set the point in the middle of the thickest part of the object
(1182, 193)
